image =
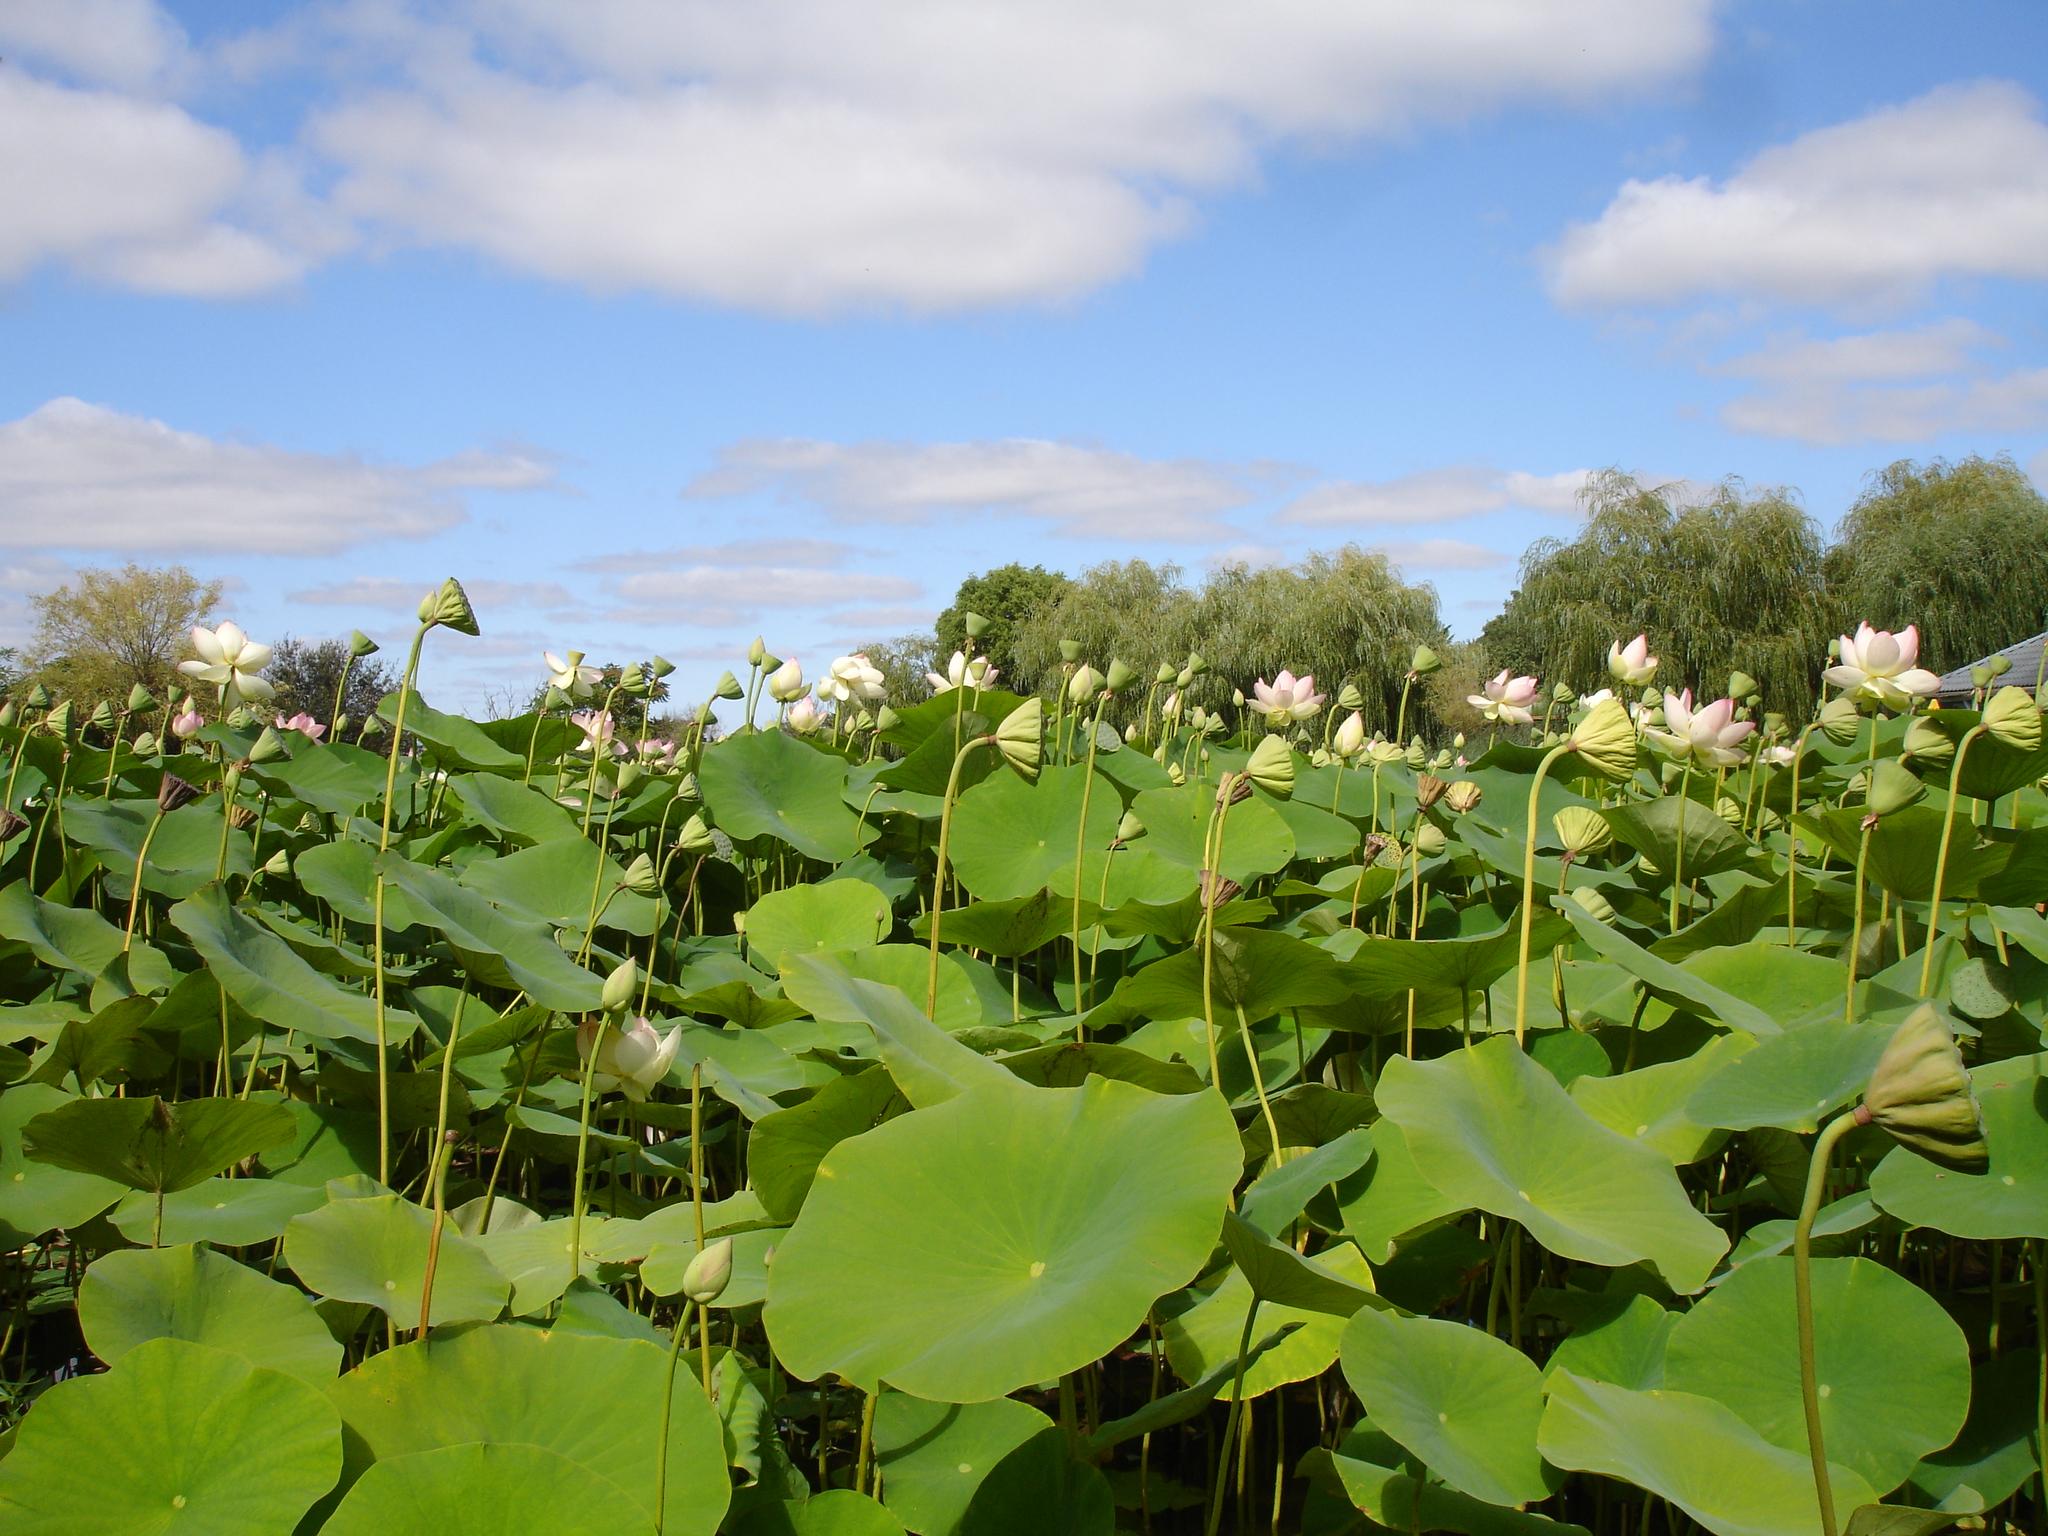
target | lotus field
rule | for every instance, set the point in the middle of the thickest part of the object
(1143, 1107)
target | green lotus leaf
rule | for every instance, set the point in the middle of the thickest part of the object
(148, 1144)
(1255, 840)
(596, 1402)
(1648, 1105)
(2010, 1199)
(1389, 1198)
(182, 856)
(841, 914)
(785, 1148)
(901, 1268)
(344, 875)
(1458, 1400)
(457, 742)
(534, 1257)
(835, 1512)
(1994, 1454)
(667, 1262)
(519, 813)
(769, 784)
(562, 884)
(1792, 1081)
(1791, 985)
(508, 1490)
(1894, 1365)
(177, 1438)
(532, 960)
(1625, 1350)
(928, 1064)
(36, 1197)
(934, 1455)
(1207, 1334)
(1490, 1128)
(1674, 983)
(1284, 1189)
(1010, 835)
(1069, 1063)
(132, 1296)
(1693, 1451)
(1011, 928)
(1278, 1274)
(1364, 1469)
(328, 1142)
(903, 967)
(373, 1251)
(1905, 846)
(1390, 967)
(1254, 969)
(78, 939)
(1037, 1488)
(1658, 827)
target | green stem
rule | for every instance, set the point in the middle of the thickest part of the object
(1678, 853)
(1230, 1428)
(135, 896)
(1856, 932)
(1080, 851)
(1955, 782)
(583, 1152)
(1529, 889)
(412, 665)
(931, 993)
(1802, 1290)
(1212, 851)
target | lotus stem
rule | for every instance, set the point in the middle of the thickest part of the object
(1212, 857)
(582, 1152)
(135, 896)
(1230, 1427)
(1955, 783)
(1856, 930)
(1529, 889)
(931, 991)
(1080, 854)
(1802, 1291)
(697, 1212)
(1678, 853)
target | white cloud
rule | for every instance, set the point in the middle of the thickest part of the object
(81, 476)
(714, 596)
(1836, 413)
(1432, 496)
(130, 191)
(1925, 351)
(2037, 468)
(1442, 555)
(1258, 556)
(1082, 492)
(804, 156)
(405, 592)
(127, 43)
(873, 620)
(1951, 183)
(813, 554)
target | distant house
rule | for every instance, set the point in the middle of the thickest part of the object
(1957, 686)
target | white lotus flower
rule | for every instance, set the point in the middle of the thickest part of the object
(1632, 663)
(852, 678)
(1710, 733)
(1881, 667)
(960, 672)
(1506, 699)
(633, 1060)
(1350, 736)
(596, 726)
(571, 676)
(230, 660)
(786, 683)
(1288, 698)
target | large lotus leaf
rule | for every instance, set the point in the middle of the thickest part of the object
(328, 1142)
(902, 967)
(595, 1401)
(230, 1212)
(78, 939)
(1390, 967)
(771, 785)
(1694, 1452)
(840, 914)
(1792, 1080)
(1279, 1274)
(953, 716)
(34, 1196)
(1284, 1189)
(1679, 986)
(1460, 1401)
(1649, 1104)
(934, 1455)
(835, 1512)
(1011, 928)
(785, 1148)
(1180, 920)
(1038, 1488)
(1009, 834)
(507, 1490)
(1893, 1365)
(117, 1039)
(1791, 985)
(373, 1251)
(337, 779)
(182, 856)
(1658, 828)
(262, 973)
(1389, 1198)
(668, 1262)
(1626, 1349)
(563, 884)
(457, 742)
(519, 813)
(534, 1257)
(1490, 1128)
(1115, 877)
(1994, 1453)
(532, 958)
(1255, 840)
(344, 875)
(2009, 1199)
(1905, 846)
(929, 1065)
(148, 1144)
(1069, 1063)
(177, 1439)
(1365, 1468)
(134, 1295)
(1254, 969)
(1504, 852)
(1208, 1333)
(902, 1268)
(1317, 834)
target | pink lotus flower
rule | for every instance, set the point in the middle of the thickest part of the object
(596, 726)
(1288, 698)
(1880, 667)
(187, 725)
(304, 724)
(658, 752)
(1710, 733)
(1506, 700)
(1632, 663)
(805, 716)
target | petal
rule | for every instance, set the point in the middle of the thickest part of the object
(1909, 645)
(230, 639)
(1845, 676)
(1881, 654)
(1518, 716)
(1919, 681)
(206, 645)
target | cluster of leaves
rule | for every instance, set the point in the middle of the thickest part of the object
(1151, 1158)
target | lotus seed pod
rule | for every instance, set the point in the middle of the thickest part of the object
(59, 720)
(708, 1274)
(361, 645)
(279, 863)
(975, 625)
(102, 716)
(140, 700)
(695, 837)
(1927, 743)
(729, 687)
(1382, 753)
(1195, 665)
(1892, 788)
(241, 818)
(1741, 685)
(1425, 661)
(145, 745)
(11, 826)
(1428, 790)
(1415, 757)
(1980, 676)
(1605, 741)
(448, 605)
(1429, 840)
(1182, 678)
(886, 719)
(1164, 674)
(2011, 718)
(37, 697)
(240, 718)
(374, 726)
(1070, 651)
(757, 653)
(631, 678)
(626, 776)
(1839, 721)
(1593, 904)
(1271, 767)
(1120, 677)
(1441, 761)
(1021, 738)
(1462, 797)
(1774, 723)
(1562, 693)
(1920, 1093)
(269, 746)
(2000, 665)
(1129, 828)
(1177, 774)
(620, 986)
(1581, 829)
(1348, 697)
(1215, 892)
(172, 792)
(640, 877)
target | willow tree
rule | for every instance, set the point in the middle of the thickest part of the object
(1730, 581)
(107, 630)
(1959, 549)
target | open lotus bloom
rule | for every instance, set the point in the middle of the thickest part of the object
(961, 672)
(852, 678)
(1288, 698)
(1506, 700)
(571, 676)
(1710, 734)
(231, 661)
(596, 726)
(187, 724)
(805, 716)
(304, 724)
(1882, 667)
(634, 1061)
(1632, 663)
(786, 683)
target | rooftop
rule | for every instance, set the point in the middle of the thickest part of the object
(1956, 686)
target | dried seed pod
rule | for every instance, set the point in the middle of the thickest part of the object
(172, 792)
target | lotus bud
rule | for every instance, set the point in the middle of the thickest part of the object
(555, 698)
(279, 863)
(1237, 697)
(1120, 676)
(374, 726)
(1892, 788)
(269, 746)
(38, 697)
(1070, 651)
(1839, 721)
(2011, 718)
(1605, 741)
(1350, 736)
(1741, 685)
(1348, 697)
(1462, 797)
(11, 826)
(1834, 650)
(8, 713)
(1921, 1094)
(1927, 744)
(2000, 665)
(786, 683)
(757, 653)
(361, 645)
(1428, 790)
(729, 687)
(1581, 830)
(448, 605)
(240, 718)
(1182, 678)
(1129, 828)
(59, 720)
(1177, 774)
(140, 700)
(1593, 904)
(620, 986)
(145, 745)
(1020, 738)
(1163, 674)
(1083, 685)
(1458, 741)
(707, 1275)
(695, 837)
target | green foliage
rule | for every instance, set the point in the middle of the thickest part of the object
(1009, 597)
(107, 631)
(306, 674)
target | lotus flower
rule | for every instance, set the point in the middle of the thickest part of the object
(1506, 700)
(1350, 736)
(852, 678)
(1879, 666)
(187, 725)
(596, 726)
(1288, 698)
(658, 752)
(1632, 663)
(230, 660)
(1710, 733)
(960, 672)
(304, 724)
(1588, 700)
(571, 677)
(786, 683)
(805, 716)
(633, 1060)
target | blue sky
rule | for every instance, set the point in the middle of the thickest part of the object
(663, 323)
